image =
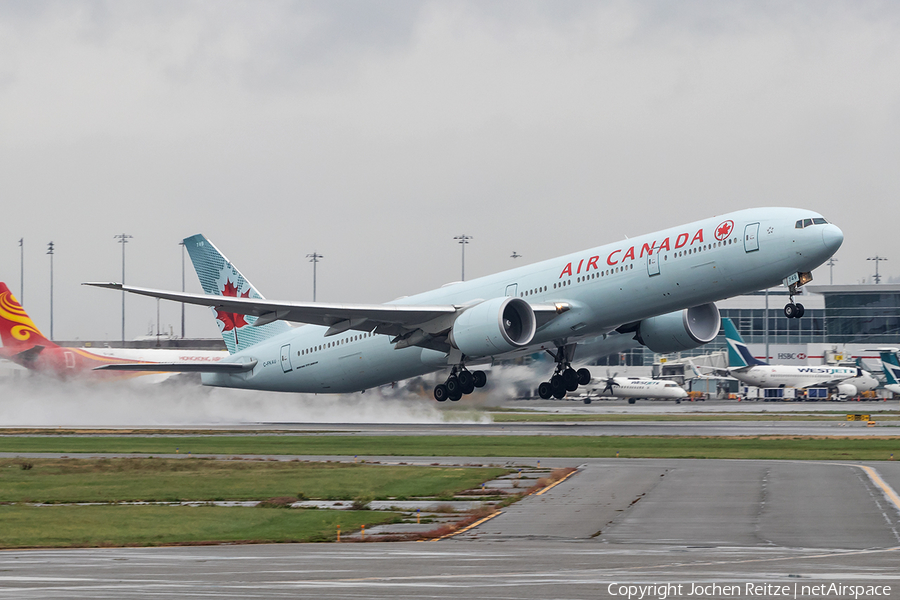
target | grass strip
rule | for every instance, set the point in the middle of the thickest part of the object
(45, 480)
(752, 447)
(98, 526)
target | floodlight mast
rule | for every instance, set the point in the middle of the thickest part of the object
(314, 258)
(830, 264)
(877, 260)
(123, 239)
(50, 252)
(463, 240)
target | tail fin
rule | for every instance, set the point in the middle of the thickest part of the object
(891, 365)
(17, 330)
(738, 353)
(219, 277)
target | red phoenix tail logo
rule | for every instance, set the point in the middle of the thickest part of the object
(724, 230)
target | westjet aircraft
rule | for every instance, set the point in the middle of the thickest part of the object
(891, 367)
(742, 365)
(659, 288)
(635, 388)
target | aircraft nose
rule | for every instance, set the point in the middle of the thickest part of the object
(832, 237)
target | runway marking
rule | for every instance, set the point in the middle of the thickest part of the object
(888, 491)
(554, 484)
(468, 527)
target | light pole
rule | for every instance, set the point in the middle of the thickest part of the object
(182, 287)
(877, 260)
(463, 240)
(123, 239)
(50, 252)
(830, 264)
(22, 271)
(515, 255)
(314, 258)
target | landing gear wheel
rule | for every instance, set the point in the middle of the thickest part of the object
(467, 389)
(584, 376)
(441, 393)
(465, 380)
(557, 384)
(587, 400)
(632, 400)
(570, 379)
(560, 393)
(800, 310)
(455, 397)
(479, 378)
(790, 310)
(453, 386)
(545, 391)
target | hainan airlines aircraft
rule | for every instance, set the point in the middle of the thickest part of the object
(25, 345)
(659, 288)
(742, 365)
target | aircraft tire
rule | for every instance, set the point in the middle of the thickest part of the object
(545, 391)
(480, 378)
(560, 393)
(587, 400)
(556, 383)
(465, 378)
(800, 310)
(584, 376)
(632, 400)
(570, 379)
(441, 393)
(455, 397)
(452, 384)
(677, 400)
(467, 389)
(790, 310)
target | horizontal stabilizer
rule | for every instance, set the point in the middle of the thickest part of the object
(182, 367)
(26, 357)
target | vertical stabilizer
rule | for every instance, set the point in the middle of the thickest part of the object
(891, 365)
(219, 277)
(17, 330)
(738, 353)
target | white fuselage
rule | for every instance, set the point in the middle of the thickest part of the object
(605, 287)
(627, 387)
(781, 376)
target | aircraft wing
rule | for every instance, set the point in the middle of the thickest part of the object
(220, 367)
(412, 324)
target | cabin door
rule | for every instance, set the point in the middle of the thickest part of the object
(751, 237)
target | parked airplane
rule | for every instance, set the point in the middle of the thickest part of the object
(25, 345)
(658, 287)
(742, 365)
(634, 388)
(891, 366)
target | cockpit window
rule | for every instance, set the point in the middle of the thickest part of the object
(802, 223)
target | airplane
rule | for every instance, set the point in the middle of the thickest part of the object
(742, 365)
(891, 367)
(659, 288)
(634, 388)
(25, 345)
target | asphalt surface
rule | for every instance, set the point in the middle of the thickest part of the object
(617, 521)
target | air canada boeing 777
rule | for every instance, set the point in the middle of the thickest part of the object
(659, 288)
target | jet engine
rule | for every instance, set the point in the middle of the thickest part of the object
(847, 390)
(681, 330)
(494, 327)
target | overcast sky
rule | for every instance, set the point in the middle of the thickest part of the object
(374, 132)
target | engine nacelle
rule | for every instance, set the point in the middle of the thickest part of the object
(681, 330)
(494, 327)
(847, 390)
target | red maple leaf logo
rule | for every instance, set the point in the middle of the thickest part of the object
(724, 230)
(231, 320)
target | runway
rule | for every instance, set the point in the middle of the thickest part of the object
(616, 522)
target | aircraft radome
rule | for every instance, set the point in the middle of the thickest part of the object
(659, 288)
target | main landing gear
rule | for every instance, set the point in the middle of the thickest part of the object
(460, 383)
(565, 379)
